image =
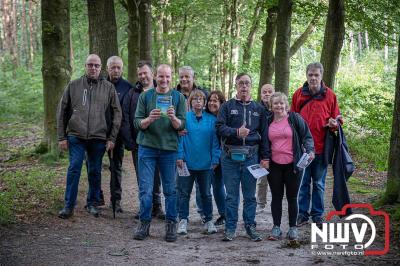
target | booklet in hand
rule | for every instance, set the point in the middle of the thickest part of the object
(163, 103)
(257, 171)
(183, 171)
(304, 161)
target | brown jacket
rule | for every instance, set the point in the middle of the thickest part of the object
(85, 108)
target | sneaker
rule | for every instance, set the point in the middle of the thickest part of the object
(229, 236)
(276, 233)
(301, 220)
(92, 210)
(252, 233)
(158, 212)
(220, 221)
(260, 209)
(210, 228)
(142, 231)
(293, 234)
(118, 208)
(182, 227)
(65, 213)
(203, 218)
(170, 231)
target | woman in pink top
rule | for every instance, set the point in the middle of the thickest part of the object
(289, 138)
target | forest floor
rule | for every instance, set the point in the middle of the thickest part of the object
(44, 239)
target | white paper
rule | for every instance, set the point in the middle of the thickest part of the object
(257, 171)
(183, 171)
(304, 161)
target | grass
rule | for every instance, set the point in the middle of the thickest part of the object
(358, 186)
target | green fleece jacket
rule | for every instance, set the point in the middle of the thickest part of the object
(160, 134)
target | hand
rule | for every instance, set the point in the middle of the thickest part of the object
(332, 123)
(154, 115)
(110, 145)
(63, 145)
(243, 131)
(340, 118)
(182, 132)
(171, 113)
(312, 156)
(179, 163)
(265, 163)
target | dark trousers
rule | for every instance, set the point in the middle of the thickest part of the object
(157, 180)
(281, 176)
(116, 168)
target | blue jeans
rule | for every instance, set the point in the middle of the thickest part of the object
(218, 192)
(148, 158)
(234, 174)
(316, 172)
(94, 149)
(185, 186)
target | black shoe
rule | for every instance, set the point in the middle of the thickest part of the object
(92, 210)
(318, 222)
(157, 212)
(65, 213)
(170, 231)
(142, 231)
(137, 216)
(101, 200)
(301, 220)
(118, 208)
(220, 221)
(252, 233)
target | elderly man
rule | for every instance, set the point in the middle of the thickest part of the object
(129, 133)
(317, 104)
(82, 128)
(240, 123)
(116, 156)
(160, 114)
(186, 82)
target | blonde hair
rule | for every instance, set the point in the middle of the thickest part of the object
(280, 96)
(196, 93)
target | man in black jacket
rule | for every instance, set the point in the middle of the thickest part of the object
(129, 133)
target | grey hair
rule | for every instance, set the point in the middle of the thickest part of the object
(187, 68)
(113, 59)
(315, 65)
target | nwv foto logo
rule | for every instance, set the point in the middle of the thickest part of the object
(340, 232)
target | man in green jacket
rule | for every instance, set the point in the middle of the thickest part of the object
(82, 127)
(160, 114)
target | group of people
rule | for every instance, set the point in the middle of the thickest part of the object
(186, 136)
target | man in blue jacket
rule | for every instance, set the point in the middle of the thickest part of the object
(240, 123)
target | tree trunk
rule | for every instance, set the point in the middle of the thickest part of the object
(132, 7)
(282, 49)
(31, 33)
(267, 52)
(366, 39)
(359, 38)
(259, 9)
(225, 51)
(235, 45)
(6, 24)
(392, 194)
(56, 68)
(24, 36)
(351, 47)
(333, 41)
(145, 30)
(158, 30)
(14, 36)
(102, 30)
(304, 36)
(166, 33)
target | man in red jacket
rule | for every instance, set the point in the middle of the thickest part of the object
(317, 104)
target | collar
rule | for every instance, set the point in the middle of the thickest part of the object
(241, 102)
(319, 95)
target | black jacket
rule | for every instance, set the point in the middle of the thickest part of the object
(302, 138)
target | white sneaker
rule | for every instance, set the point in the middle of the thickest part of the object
(210, 228)
(182, 227)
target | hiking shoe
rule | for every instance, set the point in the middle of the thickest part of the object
(276, 233)
(158, 212)
(92, 210)
(65, 213)
(220, 221)
(252, 233)
(301, 220)
(182, 227)
(118, 208)
(293, 234)
(142, 231)
(260, 209)
(229, 236)
(170, 231)
(210, 228)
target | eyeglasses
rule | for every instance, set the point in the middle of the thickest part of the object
(242, 83)
(198, 99)
(93, 65)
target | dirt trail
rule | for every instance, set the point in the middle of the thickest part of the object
(85, 240)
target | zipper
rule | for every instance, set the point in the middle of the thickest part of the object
(249, 118)
(244, 121)
(88, 116)
(84, 97)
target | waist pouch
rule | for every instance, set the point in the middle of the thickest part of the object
(240, 153)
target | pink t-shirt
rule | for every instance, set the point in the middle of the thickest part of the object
(281, 137)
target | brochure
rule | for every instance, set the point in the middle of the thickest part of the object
(163, 103)
(257, 171)
(183, 171)
(304, 161)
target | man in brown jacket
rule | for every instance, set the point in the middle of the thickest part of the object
(88, 120)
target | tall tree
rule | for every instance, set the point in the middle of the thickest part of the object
(282, 49)
(333, 41)
(102, 29)
(235, 44)
(392, 194)
(267, 51)
(31, 33)
(24, 36)
(56, 68)
(145, 29)
(225, 58)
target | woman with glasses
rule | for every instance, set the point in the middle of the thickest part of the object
(199, 150)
